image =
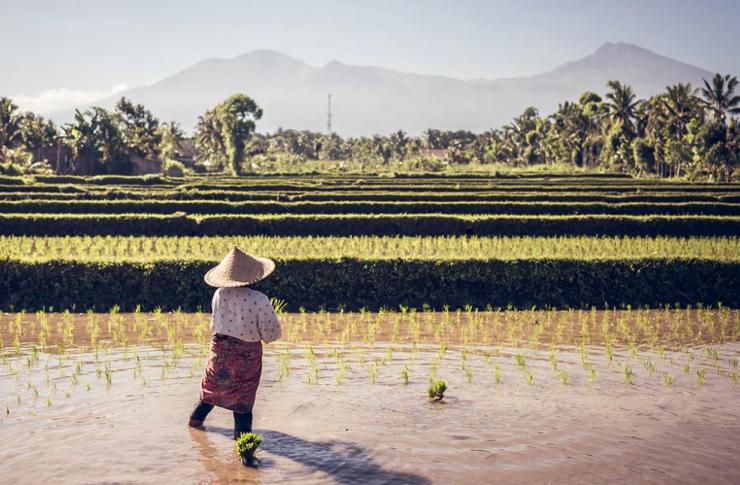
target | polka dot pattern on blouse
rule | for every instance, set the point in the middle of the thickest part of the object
(245, 314)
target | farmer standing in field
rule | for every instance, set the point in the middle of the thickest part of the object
(241, 319)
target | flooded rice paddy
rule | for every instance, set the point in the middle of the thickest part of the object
(627, 396)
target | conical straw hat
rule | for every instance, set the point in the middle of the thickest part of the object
(239, 269)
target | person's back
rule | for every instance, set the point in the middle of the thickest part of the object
(245, 314)
(241, 320)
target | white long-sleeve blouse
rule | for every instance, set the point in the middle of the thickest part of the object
(245, 314)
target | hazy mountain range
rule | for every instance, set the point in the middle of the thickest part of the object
(368, 100)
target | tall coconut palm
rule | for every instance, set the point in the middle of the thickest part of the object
(9, 123)
(622, 105)
(170, 136)
(680, 103)
(719, 96)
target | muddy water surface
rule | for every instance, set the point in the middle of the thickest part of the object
(534, 397)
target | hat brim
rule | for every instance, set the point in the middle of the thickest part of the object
(217, 278)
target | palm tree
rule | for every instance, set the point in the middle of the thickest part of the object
(719, 96)
(680, 103)
(171, 136)
(622, 105)
(9, 122)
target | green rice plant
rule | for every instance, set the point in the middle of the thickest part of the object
(733, 377)
(437, 389)
(667, 380)
(108, 374)
(313, 376)
(278, 305)
(284, 359)
(687, 369)
(246, 447)
(592, 374)
(529, 376)
(521, 362)
(700, 374)
(405, 372)
(341, 372)
(627, 372)
(649, 366)
(497, 374)
(48, 402)
(468, 375)
(372, 372)
(442, 350)
(733, 363)
(554, 360)
(714, 354)
(563, 376)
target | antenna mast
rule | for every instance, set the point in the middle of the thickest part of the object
(328, 116)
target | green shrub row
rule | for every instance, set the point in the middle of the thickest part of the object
(9, 180)
(41, 188)
(150, 179)
(359, 207)
(353, 284)
(594, 187)
(367, 225)
(476, 197)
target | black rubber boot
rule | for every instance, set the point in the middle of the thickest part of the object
(242, 423)
(199, 414)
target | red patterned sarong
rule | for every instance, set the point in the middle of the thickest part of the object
(233, 373)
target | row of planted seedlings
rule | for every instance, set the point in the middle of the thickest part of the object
(142, 248)
(47, 354)
(607, 345)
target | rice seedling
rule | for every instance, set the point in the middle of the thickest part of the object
(313, 375)
(667, 380)
(563, 375)
(529, 376)
(700, 374)
(405, 373)
(437, 389)
(246, 447)
(733, 363)
(108, 374)
(342, 371)
(627, 372)
(468, 375)
(372, 372)
(687, 369)
(553, 360)
(497, 374)
(592, 375)
(733, 377)
(442, 350)
(284, 359)
(649, 366)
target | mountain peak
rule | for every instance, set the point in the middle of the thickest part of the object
(611, 49)
(369, 99)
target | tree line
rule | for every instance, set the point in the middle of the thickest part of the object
(681, 132)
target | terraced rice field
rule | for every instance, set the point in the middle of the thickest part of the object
(586, 326)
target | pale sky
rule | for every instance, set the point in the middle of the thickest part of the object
(77, 49)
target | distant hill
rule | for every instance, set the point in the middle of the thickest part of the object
(368, 100)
